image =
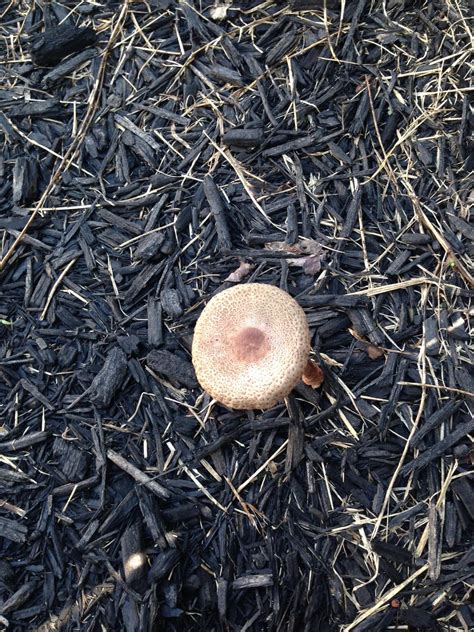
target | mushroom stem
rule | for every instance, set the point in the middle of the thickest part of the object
(313, 374)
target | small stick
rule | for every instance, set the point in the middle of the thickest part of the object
(138, 475)
(55, 287)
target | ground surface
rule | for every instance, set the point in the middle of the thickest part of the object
(326, 151)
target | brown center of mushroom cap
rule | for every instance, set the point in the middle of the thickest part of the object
(250, 345)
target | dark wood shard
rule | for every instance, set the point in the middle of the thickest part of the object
(217, 209)
(421, 619)
(36, 393)
(36, 108)
(463, 488)
(154, 316)
(72, 462)
(223, 74)
(129, 344)
(237, 137)
(49, 47)
(171, 303)
(109, 379)
(173, 367)
(257, 580)
(134, 560)
(13, 530)
(25, 180)
(18, 598)
(441, 415)
(149, 247)
(163, 564)
(439, 448)
(26, 441)
(66, 67)
(141, 280)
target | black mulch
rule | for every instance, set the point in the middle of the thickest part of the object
(149, 150)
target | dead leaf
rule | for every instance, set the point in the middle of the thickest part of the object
(272, 468)
(313, 374)
(237, 276)
(374, 352)
(219, 10)
(357, 335)
(371, 350)
(302, 247)
(311, 263)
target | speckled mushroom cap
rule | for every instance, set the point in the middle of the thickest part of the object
(250, 347)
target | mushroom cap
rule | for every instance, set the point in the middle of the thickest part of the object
(250, 346)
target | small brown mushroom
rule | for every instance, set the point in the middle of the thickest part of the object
(251, 345)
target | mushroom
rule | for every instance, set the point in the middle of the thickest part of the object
(251, 346)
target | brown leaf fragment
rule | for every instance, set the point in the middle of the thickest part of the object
(311, 263)
(374, 352)
(302, 247)
(237, 276)
(313, 374)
